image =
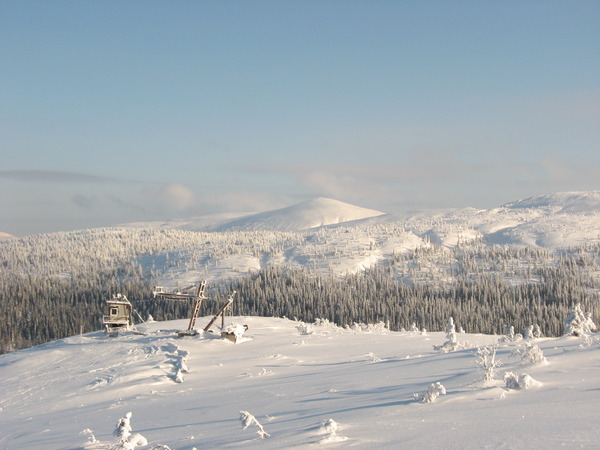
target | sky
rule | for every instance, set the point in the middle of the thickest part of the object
(122, 111)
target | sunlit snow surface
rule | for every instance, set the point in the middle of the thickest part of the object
(307, 385)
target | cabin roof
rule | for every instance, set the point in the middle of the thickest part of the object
(118, 302)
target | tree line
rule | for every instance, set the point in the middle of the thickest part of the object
(53, 286)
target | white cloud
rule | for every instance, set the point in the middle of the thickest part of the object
(176, 197)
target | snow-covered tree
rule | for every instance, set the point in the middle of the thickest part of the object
(578, 322)
(487, 360)
(125, 439)
(451, 343)
(531, 354)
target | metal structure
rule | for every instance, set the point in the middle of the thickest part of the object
(183, 295)
(221, 313)
(197, 294)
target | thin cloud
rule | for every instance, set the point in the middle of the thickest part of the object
(83, 201)
(50, 176)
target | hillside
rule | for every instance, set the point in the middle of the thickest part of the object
(529, 252)
(314, 213)
(308, 385)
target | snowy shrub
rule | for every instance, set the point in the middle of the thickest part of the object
(304, 329)
(90, 435)
(531, 354)
(379, 327)
(248, 419)
(451, 344)
(433, 391)
(413, 328)
(326, 323)
(487, 360)
(329, 426)
(126, 440)
(578, 323)
(513, 381)
(532, 332)
(373, 357)
(510, 335)
(235, 329)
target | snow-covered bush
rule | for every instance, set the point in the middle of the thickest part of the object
(532, 332)
(90, 435)
(510, 335)
(235, 330)
(578, 323)
(329, 426)
(125, 439)
(248, 419)
(513, 381)
(487, 360)
(379, 327)
(433, 391)
(304, 329)
(531, 354)
(374, 358)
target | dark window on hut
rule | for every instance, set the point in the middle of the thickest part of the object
(114, 311)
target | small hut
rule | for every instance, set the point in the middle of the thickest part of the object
(119, 315)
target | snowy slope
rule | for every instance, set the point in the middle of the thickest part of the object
(562, 202)
(293, 379)
(554, 221)
(310, 214)
(557, 220)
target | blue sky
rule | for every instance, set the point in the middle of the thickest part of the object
(119, 111)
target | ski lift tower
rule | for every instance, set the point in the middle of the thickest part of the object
(188, 293)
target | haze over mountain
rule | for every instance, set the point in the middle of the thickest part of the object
(560, 219)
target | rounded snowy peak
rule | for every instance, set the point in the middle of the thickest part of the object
(313, 213)
(564, 202)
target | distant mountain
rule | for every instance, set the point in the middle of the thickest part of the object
(303, 216)
(6, 236)
(558, 220)
(561, 202)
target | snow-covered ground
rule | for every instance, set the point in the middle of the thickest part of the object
(306, 385)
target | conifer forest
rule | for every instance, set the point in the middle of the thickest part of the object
(56, 285)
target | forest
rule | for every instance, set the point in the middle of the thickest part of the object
(53, 286)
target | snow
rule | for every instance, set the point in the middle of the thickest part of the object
(303, 385)
(314, 213)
